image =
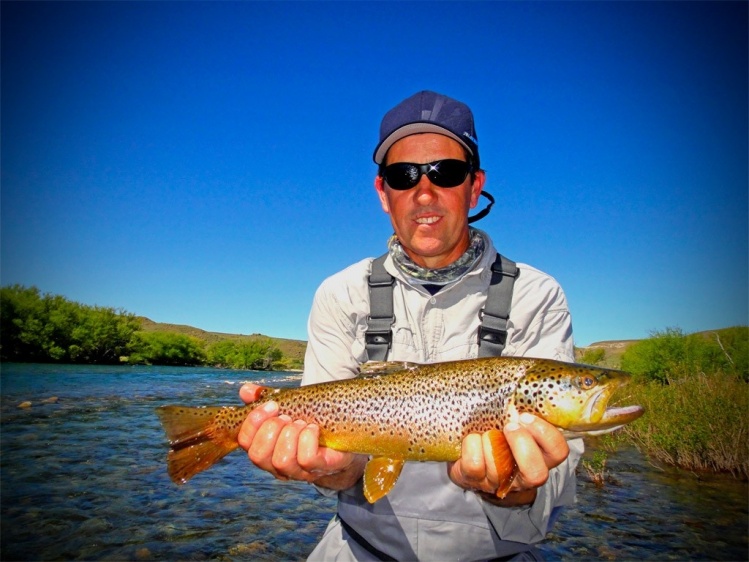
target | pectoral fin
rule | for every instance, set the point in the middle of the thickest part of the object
(504, 462)
(380, 476)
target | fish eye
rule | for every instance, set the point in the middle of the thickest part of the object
(586, 382)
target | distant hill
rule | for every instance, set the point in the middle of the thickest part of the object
(293, 349)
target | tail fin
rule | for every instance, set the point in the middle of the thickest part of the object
(199, 437)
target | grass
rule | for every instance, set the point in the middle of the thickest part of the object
(595, 468)
(699, 423)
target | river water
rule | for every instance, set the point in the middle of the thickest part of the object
(84, 478)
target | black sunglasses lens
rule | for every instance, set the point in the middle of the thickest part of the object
(442, 173)
(402, 176)
(448, 173)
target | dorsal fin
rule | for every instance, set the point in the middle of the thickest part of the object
(377, 368)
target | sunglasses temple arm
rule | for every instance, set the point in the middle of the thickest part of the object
(485, 211)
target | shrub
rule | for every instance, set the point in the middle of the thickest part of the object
(593, 356)
(595, 467)
(671, 354)
(166, 348)
(255, 354)
(50, 328)
(698, 422)
(734, 343)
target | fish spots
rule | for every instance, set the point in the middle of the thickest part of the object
(426, 410)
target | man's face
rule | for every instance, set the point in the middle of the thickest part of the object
(431, 222)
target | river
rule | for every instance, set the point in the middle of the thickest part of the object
(83, 478)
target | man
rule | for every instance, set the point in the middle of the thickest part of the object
(428, 180)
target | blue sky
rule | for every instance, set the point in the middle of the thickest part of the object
(210, 163)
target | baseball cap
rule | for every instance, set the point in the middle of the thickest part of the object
(428, 112)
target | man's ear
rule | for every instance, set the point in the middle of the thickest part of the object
(479, 178)
(379, 184)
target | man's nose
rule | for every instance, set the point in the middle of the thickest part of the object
(425, 190)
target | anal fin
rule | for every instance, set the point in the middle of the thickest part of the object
(380, 475)
(504, 463)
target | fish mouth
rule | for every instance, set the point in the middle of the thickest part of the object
(602, 419)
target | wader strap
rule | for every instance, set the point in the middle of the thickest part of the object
(361, 541)
(379, 335)
(494, 316)
(496, 312)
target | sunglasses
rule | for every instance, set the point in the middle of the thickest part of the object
(442, 173)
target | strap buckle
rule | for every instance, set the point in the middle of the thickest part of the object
(494, 330)
(379, 337)
(492, 336)
(511, 271)
(379, 331)
(379, 282)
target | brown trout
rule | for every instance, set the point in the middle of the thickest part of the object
(398, 412)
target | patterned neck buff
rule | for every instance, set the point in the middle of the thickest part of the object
(443, 275)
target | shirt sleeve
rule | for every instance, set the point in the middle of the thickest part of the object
(540, 318)
(332, 330)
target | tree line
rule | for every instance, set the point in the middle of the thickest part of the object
(45, 328)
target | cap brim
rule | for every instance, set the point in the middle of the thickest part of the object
(414, 129)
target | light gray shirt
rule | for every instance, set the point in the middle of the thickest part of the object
(427, 516)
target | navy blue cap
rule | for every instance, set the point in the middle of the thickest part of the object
(428, 112)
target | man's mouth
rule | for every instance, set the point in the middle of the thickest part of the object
(427, 220)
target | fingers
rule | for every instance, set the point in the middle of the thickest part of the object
(283, 456)
(537, 447)
(286, 448)
(470, 471)
(250, 392)
(319, 460)
(472, 465)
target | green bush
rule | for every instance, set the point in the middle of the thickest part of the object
(256, 354)
(694, 390)
(50, 328)
(166, 348)
(593, 356)
(697, 422)
(734, 343)
(36, 327)
(671, 354)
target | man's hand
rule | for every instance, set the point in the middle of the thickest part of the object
(290, 450)
(537, 447)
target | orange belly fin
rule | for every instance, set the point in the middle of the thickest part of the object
(380, 476)
(504, 463)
